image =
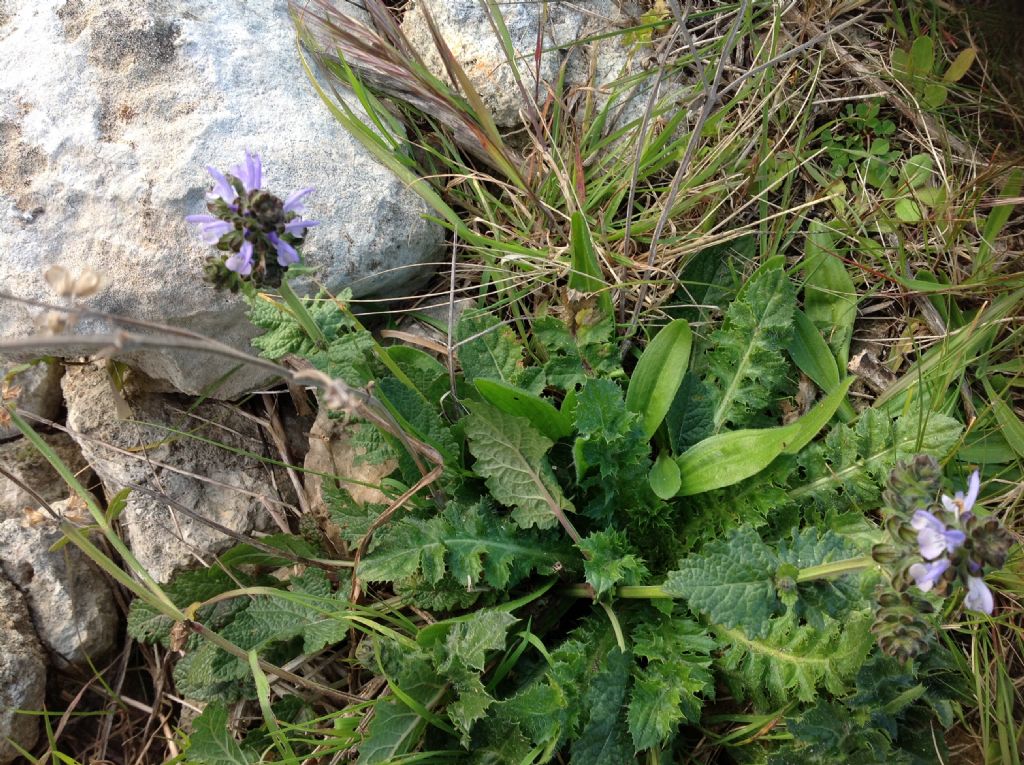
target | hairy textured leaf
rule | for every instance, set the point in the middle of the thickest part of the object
(666, 689)
(510, 456)
(396, 728)
(747, 366)
(854, 460)
(601, 411)
(211, 742)
(691, 417)
(468, 545)
(492, 353)
(604, 739)
(610, 560)
(731, 581)
(792, 660)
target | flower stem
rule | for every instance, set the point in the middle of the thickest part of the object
(656, 592)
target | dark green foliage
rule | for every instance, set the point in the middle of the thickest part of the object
(746, 366)
(466, 547)
(691, 418)
(604, 739)
(609, 560)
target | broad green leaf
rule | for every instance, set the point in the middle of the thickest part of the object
(747, 364)
(907, 210)
(727, 458)
(486, 348)
(811, 353)
(521, 403)
(830, 297)
(511, 457)
(665, 478)
(610, 560)
(691, 418)
(731, 581)
(918, 170)
(658, 374)
(935, 95)
(960, 65)
(211, 742)
(922, 55)
(604, 739)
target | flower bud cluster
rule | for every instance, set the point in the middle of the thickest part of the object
(936, 545)
(257, 232)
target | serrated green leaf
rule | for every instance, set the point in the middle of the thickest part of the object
(487, 349)
(604, 739)
(691, 418)
(601, 410)
(396, 728)
(468, 545)
(510, 456)
(610, 560)
(658, 374)
(746, 365)
(148, 625)
(731, 581)
(521, 403)
(788, 660)
(211, 742)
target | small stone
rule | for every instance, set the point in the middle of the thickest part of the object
(35, 390)
(22, 674)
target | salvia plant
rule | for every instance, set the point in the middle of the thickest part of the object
(597, 553)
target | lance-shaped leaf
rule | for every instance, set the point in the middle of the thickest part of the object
(658, 374)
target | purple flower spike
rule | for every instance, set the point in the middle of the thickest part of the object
(294, 202)
(298, 226)
(927, 574)
(222, 189)
(286, 254)
(241, 261)
(979, 596)
(250, 172)
(211, 228)
(932, 536)
(959, 504)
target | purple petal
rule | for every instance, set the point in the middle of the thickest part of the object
(241, 261)
(299, 226)
(294, 202)
(221, 187)
(212, 232)
(201, 218)
(979, 596)
(951, 504)
(927, 574)
(973, 487)
(286, 254)
(954, 538)
(922, 519)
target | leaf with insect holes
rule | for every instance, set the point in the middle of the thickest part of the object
(511, 457)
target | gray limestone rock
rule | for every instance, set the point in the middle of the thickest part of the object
(22, 674)
(22, 460)
(70, 602)
(109, 111)
(220, 484)
(35, 390)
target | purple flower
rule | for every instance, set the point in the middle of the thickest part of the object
(927, 574)
(298, 226)
(211, 228)
(294, 202)
(250, 172)
(933, 537)
(241, 261)
(959, 504)
(979, 596)
(286, 254)
(222, 188)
